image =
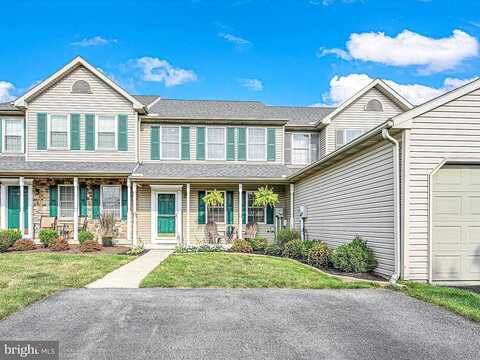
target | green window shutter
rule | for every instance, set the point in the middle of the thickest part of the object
(41, 131)
(200, 143)
(89, 132)
(124, 202)
(95, 201)
(185, 143)
(74, 131)
(242, 144)
(122, 123)
(53, 203)
(1, 137)
(202, 218)
(229, 202)
(271, 144)
(270, 214)
(82, 199)
(230, 144)
(155, 143)
(244, 207)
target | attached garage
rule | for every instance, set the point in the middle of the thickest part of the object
(456, 223)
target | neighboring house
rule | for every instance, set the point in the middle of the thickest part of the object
(79, 146)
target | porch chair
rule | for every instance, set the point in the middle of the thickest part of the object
(46, 222)
(211, 233)
(83, 224)
(230, 234)
(250, 231)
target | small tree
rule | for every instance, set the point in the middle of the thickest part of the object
(265, 197)
(213, 198)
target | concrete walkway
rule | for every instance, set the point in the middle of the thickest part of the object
(132, 274)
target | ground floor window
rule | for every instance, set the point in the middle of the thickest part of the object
(216, 213)
(66, 201)
(111, 200)
(255, 214)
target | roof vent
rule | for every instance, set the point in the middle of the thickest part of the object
(81, 87)
(374, 105)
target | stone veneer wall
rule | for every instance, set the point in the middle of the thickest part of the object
(41, 205)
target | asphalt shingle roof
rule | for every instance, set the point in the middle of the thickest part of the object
(7, 106)
(202, 171)
(146, 99)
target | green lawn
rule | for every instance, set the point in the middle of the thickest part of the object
(220, 270)
(29, 277)
(463, 302)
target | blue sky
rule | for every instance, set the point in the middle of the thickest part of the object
(283, 52)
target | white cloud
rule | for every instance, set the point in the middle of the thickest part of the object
(342, 54)
(94, 41)
(251, 84)
(155, 69)
(6, 89)
(343, 87)
(238, 42)
(409, 48)
(330, 2)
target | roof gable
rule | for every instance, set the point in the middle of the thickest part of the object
(22, 101)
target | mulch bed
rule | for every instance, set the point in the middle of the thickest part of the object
(75, 249)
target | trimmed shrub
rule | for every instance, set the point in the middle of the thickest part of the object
(273, 250)
(84, 236)
(47, 235)
(59, 244)
(295, 249)
(285, 235)
(24, 245)
(242, 246)
(258, 243)
(319, 255)
(90, 246)
(8, 238)
(355, 257)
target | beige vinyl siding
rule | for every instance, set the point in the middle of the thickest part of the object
(322, 146)
(354, 197)
(451, 131)
(58, 99)
(145, 130)
(197, 231)
(355, 116)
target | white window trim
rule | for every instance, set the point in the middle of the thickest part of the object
(248, 145)
(101, 200)
(179, 143)
(59, 203)
(309, 149)
(224, 158)
(49, 127)
(224, 192)
(4, 136)
(115, 131)
(248, 207)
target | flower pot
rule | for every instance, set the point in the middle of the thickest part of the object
(107, 241)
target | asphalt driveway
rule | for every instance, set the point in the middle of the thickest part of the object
(244, 324)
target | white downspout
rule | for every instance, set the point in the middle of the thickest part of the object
(396, 212)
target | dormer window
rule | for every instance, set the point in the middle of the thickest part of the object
(374, 105)
(81, 87)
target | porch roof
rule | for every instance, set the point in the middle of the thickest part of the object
(212, 172)
(17, 164)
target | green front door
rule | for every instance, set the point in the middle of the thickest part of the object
(166, 215)
(14, 207)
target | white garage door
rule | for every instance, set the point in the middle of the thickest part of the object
(456, 223)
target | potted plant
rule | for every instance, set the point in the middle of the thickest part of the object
(107, 228)
(213, 198)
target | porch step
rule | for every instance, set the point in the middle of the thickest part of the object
(161, 246)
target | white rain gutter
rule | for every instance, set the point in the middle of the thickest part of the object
(396, 212)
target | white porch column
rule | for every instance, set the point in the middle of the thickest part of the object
(240, 207)
(129, 214)
(21, 221)
(292, 215)
(75, 209)
(188, 215)
(135, 240)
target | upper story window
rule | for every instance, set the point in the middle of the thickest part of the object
(216, 143)
(81, 87)
(255, 215)
(65, 201)
(58, 131)
(111, 200)
(346, 135)
(300, 148)
(217, 213)
(374, 105)
(257, 144)
(170, 140)
(13, 135)
(106, 132)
